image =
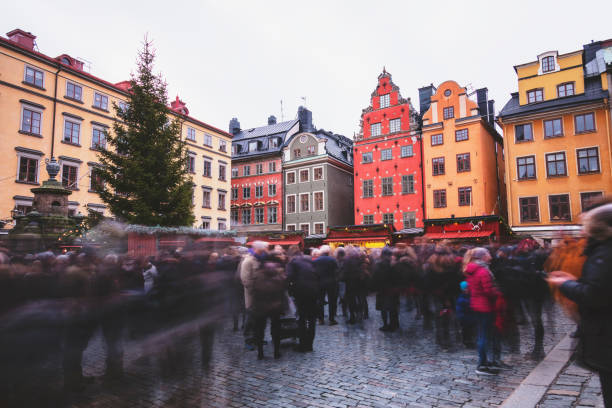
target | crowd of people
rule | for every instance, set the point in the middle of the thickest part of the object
(51, 302)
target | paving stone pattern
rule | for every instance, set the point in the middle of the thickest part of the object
(575, 386)
(351, 366)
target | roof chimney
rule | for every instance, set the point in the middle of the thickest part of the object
(271, 120)
(482, 101)
(305, 117)
(179, 106)
(234, 126)
(425, 94)
(22, 38)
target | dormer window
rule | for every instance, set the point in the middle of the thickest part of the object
(548, 64)
(253, 146)
(273, 142)
(66, 61)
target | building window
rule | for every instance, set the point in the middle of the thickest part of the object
(559, 207)
(407, 151)
(297, 153)
(310, 150)
(258, 191)
(221, 224)
(439, 198)
(234, 172)
(317, 173)
(271, 190)
(566, 89)
(461, 135)
(291, 204)
(30, 121)
(234, 217)
(529, 209)
(448, 112)
(98, 139)
(465, 196)
(375, 129)
(96, 183)
(408, 184)
(207, 168)
(72, 131)
(304, 176)
(523, 133)
(304, 202)
(290, 227)
(246, 216)
(319, 228)
(438, 166)
(588, 200)
(259, 215)
(208, 140)
(386, 154)
(387, 218)
(221, 201)
(366, 157)
(584, 123)
(553, 128)
(394, 125)
(222, 172)
(234, 193)
(206, 223)
(206, 198)
(100, 101)
(305, 228)
(368, 219)
(318, 201)
(74, 91)
(191, 163)
(246, 193)
(548, 64)
(222, 145)
(588, 160)
(271, 167)
(28, 170)
(535, 95)
(272, 215)
(291, 177)
(463, 162)
(273, 142)
(387, 186)
(409, 219)
(555, 164)
(437, 139)
(191, 134)
(259, 168)
(246, 170)
(34, 77)
(69, 177)
(24, 209)
(385, 101)
(526, 167)
(368, 188)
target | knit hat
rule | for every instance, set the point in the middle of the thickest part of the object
(463, 285)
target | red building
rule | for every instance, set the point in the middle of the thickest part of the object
(387, 161)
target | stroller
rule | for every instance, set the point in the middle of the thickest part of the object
(289, 322)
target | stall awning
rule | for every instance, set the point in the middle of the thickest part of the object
(356, 239)
(278, 242)
(457, 235)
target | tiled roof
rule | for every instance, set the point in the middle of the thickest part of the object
(336, 144)
(262, 136)
(269, 130)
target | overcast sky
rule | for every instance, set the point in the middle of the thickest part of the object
(241, 58)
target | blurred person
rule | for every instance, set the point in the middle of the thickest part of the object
(327, 268)
(387, 282)
(248, 266)
(465, 316)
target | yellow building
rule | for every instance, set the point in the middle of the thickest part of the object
(557, 138)
(53, 107)
(462, 156)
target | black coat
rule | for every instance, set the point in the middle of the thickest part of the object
(592, 294)
(304, 281)
(327, 268)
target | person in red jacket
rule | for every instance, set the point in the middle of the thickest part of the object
(483, 296)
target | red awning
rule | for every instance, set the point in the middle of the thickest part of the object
(278, 242)
(457, 235)
(355, 239)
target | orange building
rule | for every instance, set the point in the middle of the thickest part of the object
(557, 140)
(463, 164)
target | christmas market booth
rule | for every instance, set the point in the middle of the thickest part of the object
(283, 238)
(368, 236)
(479, 230)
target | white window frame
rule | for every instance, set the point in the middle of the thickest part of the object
(207, 160)
(313, 200)
(370, 155)
(219, 221)
(275, 190)
(322, 173)
(190, 156)
(235, 172)
(189, 131)
(305, 223)
(101, 129)
(297, 205)
(103, 95)
(262, 190)
(368, 215)
(222, 145)
(384, 100)
(291, 225)
(300, 203)
(578, 160)
(299, 172)
(267, 214)
(209, 191)
(565, 160)
(314, 227)
(263, 216)
(411, 147)
(208, 137)
(29, 156)
(73, 121)
(35, 69)
(287, 177)
(399, 127)
(404, 213)
(379, 127)
(33, 109)
(74, 84)
(272, 167)
(541, 57)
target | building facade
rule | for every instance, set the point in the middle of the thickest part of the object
(318, 176)
(557, 139)
(257, 178)
(53, 107)
(462, 158)
(388, 185)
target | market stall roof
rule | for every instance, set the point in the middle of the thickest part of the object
(278, 242)
(457, 235)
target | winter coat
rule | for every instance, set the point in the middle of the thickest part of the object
(267, 290)
(247, 271)
(387, 282)
(327, 268)
(463, 310)
(304, 281)
(483, 292)
(592, 294)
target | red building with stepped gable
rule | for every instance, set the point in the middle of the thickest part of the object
(387, 161)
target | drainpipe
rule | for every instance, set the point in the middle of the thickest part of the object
(59, 68)
(507, 175)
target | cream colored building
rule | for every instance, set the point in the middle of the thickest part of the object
(53, 106)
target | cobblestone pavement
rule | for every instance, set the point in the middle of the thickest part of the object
(574, 387)
(352, 366)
